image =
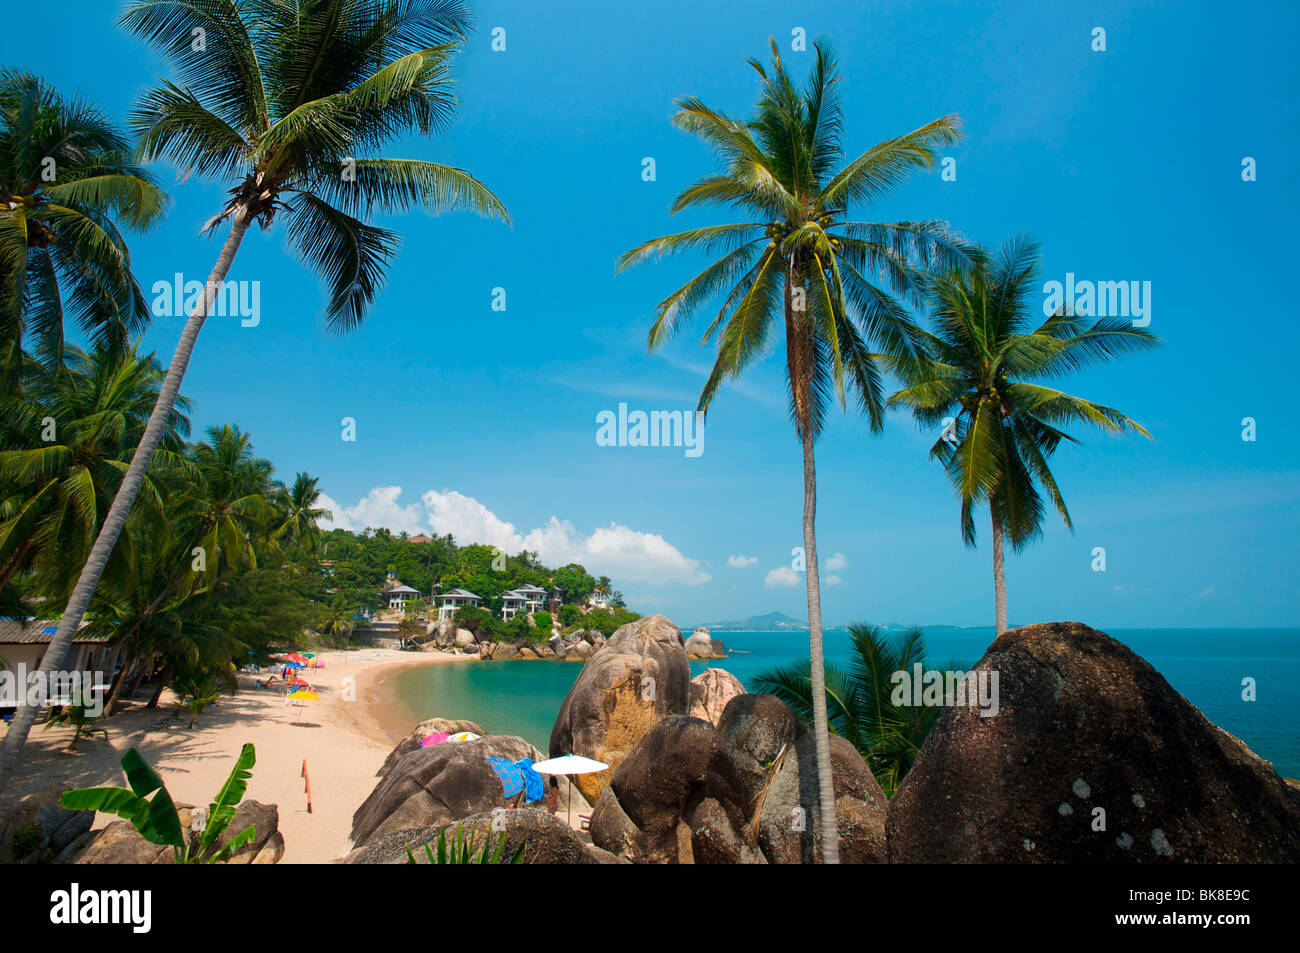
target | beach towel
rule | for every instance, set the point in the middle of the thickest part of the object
(534, 786)
(437, 738)
(509, 774)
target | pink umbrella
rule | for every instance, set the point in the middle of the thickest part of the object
(437, 738)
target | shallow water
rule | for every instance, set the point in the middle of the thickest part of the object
(1206, 665)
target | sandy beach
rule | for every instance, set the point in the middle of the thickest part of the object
(343, 738)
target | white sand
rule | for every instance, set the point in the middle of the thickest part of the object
(343, 742)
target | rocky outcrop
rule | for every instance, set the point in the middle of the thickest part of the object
(711, 690)
(577, 651)
(38, 829)
(640, 815)
(743, 793)
(1091, 757)
(761, 794)
(701, 646)
(546, 839)
(636, 679)
(421, 731)
(121, 843)
(443, 783)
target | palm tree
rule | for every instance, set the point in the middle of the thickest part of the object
(229, 505)
(67, 180)
(859, 699)
(801, 266)
(280, 103)
(298, 514)
(979, 368)
(95, 409)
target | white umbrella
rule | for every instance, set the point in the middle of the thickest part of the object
(566, 765)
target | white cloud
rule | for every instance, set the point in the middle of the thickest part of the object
(617, 551)
(782, 577)
(470, 521)
(832, 580)
(741, 562)
(378, 508)
(837, 562)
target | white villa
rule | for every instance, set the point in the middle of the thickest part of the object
(528, 598)
(396, 594)
(449, 602)
(598, 600)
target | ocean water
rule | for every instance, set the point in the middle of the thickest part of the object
(1206, 666)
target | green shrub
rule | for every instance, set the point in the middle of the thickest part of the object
(543, 621)
(157, 819)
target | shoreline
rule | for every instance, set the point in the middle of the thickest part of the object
(379, 720)
(340, 741)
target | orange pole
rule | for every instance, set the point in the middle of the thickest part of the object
(306, 784)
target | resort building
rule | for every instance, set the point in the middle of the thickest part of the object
(598, 600)
(396, 595)
(528, 598)
(449, 602)
(25, 642)
(419, 539)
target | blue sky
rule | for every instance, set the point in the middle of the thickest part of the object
(1126, 165)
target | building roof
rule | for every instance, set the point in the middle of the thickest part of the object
(39, 632)
(402, 589)
(514, 595)
(419, 539)
(459, 594)
(531, 588)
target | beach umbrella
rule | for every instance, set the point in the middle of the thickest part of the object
(567, 765)
(293, 665)
(297, 658)
(302, 696)
(463, 736)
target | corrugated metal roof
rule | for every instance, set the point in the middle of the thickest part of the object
(38, 632)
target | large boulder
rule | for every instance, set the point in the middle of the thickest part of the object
(639, 816)
(121, 843)
(1091, 757)
(421, 731)
(545, 838)
(578, 651)
(760, 800)
(636, 679)
(37, 829)
(443, 783)
(711, 690)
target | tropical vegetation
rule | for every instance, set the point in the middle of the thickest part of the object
(860, 699)
(984, 369)
(158, 820)
(802, 270)
(291, 107)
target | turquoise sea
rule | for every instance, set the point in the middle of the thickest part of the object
(1206, 665)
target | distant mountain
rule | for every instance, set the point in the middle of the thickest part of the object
(780, 622)
(770, 622)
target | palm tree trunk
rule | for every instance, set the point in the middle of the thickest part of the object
(126, 494)
(999, 578)
(817, 668)
(163, 678)
(127, 665)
